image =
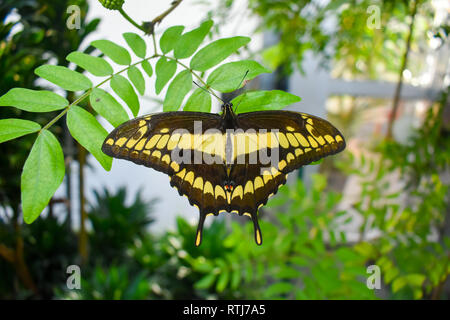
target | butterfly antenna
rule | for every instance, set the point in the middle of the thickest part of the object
(243, 78)
(210, 92)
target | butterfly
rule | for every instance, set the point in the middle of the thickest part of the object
(225, 162)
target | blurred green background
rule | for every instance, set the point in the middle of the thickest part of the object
(383, 201)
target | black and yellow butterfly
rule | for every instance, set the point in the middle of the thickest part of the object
(228, 165)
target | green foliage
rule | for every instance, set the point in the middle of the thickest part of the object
(264, 100)
(83, 125)
(42, 174)
(136, 43)
(65, 78)
(95, 65)
(13, 128)
(114, 283)
(178, 89)
(123, 88)
(89, 133)
(33, 101)
(116, 53)
(200, 97)
(188, 42)
(227, 77)
(108, 107)
(217, 51)
(414, 264)
(115, 224)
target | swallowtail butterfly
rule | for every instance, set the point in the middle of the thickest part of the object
(225, 162)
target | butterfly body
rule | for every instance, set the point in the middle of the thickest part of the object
(229, 162)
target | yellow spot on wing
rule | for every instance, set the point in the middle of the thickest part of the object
(267, 176)
(121, 142)
(189, 177)
(292, 139)
(313, 142)
(163, 141)
(282, 164)
(166, 159)
(248, 187)
(198, 183)
(208, 188)
(152, 142)
(258, 237)
(186, 141)
(181, 173)
(290, 157)
(175, 166)
(238, 192)
(339, 138)
(156, 154)
(142, 123)
(220, 192)
(140, 145)
(289, 128)
(173, 141)
(258, 183)
(298, 152)
(283, 141)
(198, 238)
(110, 142)
(164, 130)
(301, 138)
(329, 138)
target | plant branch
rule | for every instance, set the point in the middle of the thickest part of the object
(161, 17)
(398, 89)
(149, 27)
(130, 20)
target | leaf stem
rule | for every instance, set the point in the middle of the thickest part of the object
(130, 20)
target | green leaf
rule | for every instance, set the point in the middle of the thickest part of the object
(33, 101)
(116, 53)
(177, 90)
(89, 133)
(227, 77)
(42, 174)
(108, 107)
(64, 77)
(136, 43)
(200, 100)
(95, 65)
(136, 77)
(279, 288)
(264, 100)
(235, 279)
(222, 280)
(189, 42)
(206, 281)
(165, 69)
(123, 88)
(216, 52)
(14, 128)
(170, 38)
(147, 67)
(398, 284)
